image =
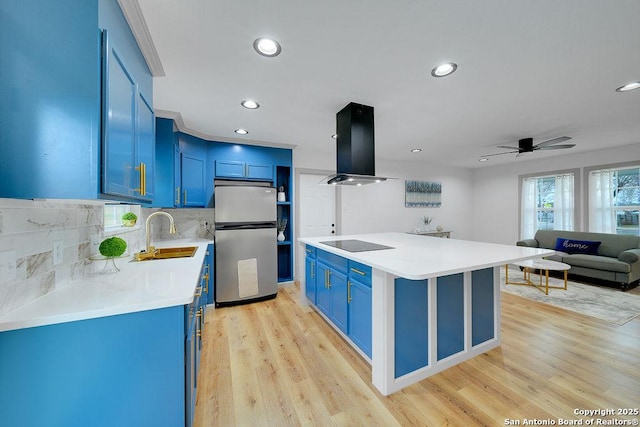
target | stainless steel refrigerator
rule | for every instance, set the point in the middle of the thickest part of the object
(245, 242)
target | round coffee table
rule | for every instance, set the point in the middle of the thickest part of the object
(539, 264)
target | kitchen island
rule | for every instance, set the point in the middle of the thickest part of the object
(434, 303)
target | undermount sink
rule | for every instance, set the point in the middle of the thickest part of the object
(166, 253)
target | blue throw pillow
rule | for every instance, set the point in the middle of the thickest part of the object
(569, 246)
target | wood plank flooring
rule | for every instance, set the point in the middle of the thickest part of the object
(275, 363)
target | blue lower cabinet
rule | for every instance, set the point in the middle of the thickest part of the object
(342, 291)
(323, 292)
(339, 304)
(359, 299)
(120, 370)
(310, 278)
(331, 294)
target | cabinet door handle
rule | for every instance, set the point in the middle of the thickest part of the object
(198, 291)
(329, 279)
(313, 270)
(184, 199)
(355, 270)
(177, 196)
(142, 168)
(349, 292)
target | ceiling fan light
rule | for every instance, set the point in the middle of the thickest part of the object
(267, 47)
(628, 87)
(445, 69)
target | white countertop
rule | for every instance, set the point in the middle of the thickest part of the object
(138, 286)
(415, 257)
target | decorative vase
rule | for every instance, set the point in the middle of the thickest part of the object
(282, 197)
(281, 236)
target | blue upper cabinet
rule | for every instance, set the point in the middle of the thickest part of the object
(51, 98)
(128, 139)
(242, 170)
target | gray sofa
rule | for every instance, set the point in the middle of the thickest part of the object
(617, 258)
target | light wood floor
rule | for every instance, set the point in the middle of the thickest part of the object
(276, 364)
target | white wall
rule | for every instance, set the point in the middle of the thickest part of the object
(380, 207)
(495, 189)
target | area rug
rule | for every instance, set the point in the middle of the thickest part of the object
(608, 304)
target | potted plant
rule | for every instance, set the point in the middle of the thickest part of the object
(281, 225)
(129, 219)
(426, 223)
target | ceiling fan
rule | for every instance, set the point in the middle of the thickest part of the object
(526, 145)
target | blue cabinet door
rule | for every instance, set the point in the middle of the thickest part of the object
(119, 98)
(310, 278)
(111, 371)
(323, 292)
(360, 315)
(193, 180)
(146, 144)
(338, 285)
(128, 140)
(262, 172)
(234, 169)
(226, 169)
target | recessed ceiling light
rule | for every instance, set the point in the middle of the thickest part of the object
(334, 136)
(483, 159)
(241, 131)
(628, 87)
(444, 69)
(267, 47)
(416, 150)
(250, 104)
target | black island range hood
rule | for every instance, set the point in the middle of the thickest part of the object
(355, 147)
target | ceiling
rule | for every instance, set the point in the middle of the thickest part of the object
(534, 68)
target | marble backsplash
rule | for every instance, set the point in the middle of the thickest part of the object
(29, 230)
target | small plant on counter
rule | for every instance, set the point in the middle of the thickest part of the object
(427, 220)
(112, 247)
(129, 219)
(282, 224)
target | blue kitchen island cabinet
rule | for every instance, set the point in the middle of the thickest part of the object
(341, 290)
(125, 370)
(417, 307)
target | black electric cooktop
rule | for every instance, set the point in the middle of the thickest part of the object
(355, 245)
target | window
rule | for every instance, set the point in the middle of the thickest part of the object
(614, 200)
(113, 215)
(547, 204)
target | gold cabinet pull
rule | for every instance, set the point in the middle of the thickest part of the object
(206, 278)
(184, 199)
(355, 270)
(199, 313)
(329, 279)
(198, 291)
(348, 291)
(177, 196)
(142, 168)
